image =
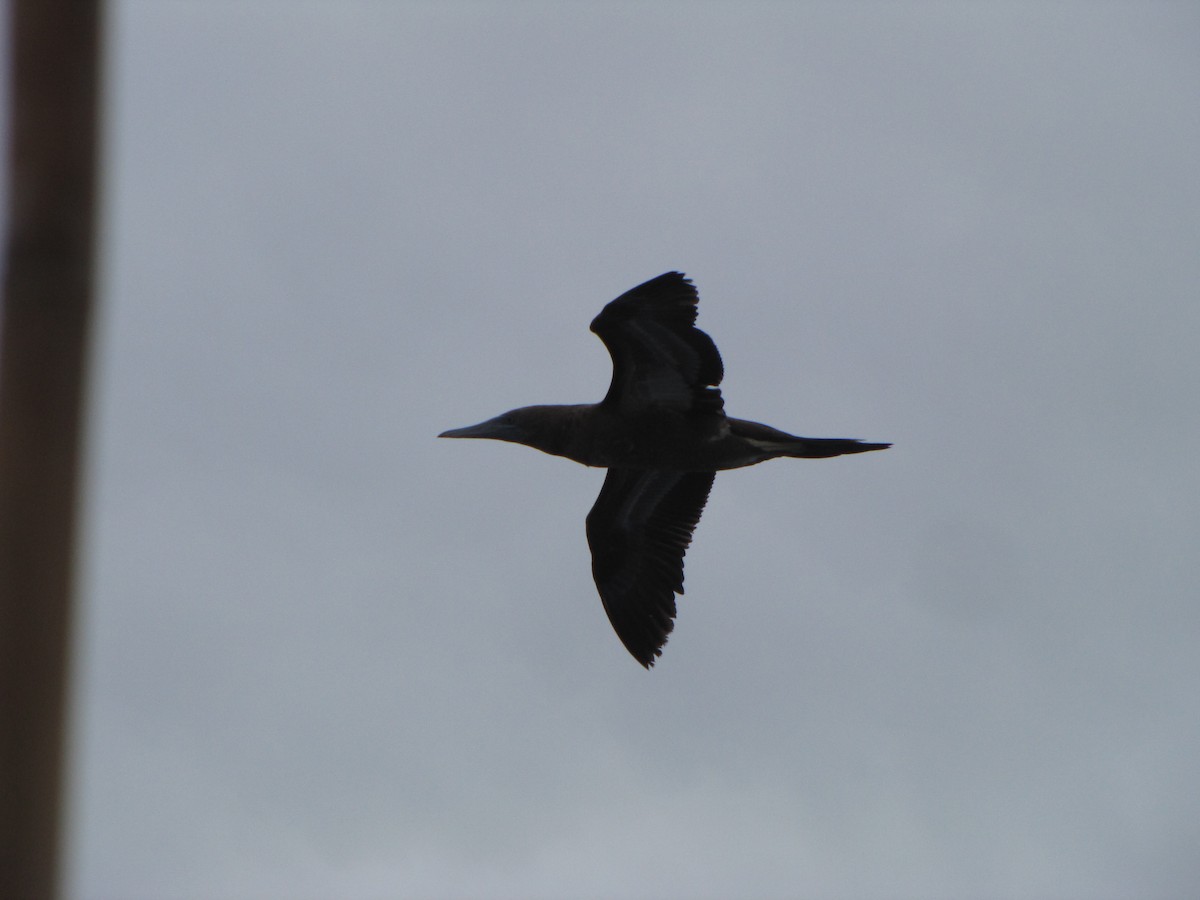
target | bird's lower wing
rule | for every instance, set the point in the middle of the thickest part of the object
(638, 531)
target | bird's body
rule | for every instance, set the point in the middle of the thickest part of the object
(662, 433)
(593, 435)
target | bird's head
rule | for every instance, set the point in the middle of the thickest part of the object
(546, 428)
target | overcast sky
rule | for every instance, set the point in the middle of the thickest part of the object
(323, 654)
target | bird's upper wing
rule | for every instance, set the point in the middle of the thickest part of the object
(638, 531)
(660, 358)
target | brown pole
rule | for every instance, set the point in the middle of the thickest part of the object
(48, 269)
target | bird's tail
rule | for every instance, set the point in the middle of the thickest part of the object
(820, 448)
(780, 443)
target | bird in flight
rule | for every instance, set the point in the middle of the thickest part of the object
(662, 433)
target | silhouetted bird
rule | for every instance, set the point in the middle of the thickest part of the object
(662, 433)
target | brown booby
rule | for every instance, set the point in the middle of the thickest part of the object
(662, 433)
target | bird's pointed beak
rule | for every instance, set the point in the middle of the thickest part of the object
(496, 428)
(471, 431)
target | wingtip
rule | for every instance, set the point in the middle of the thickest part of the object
(647, 655)
(647, 662)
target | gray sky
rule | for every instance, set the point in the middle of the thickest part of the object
(323, 654)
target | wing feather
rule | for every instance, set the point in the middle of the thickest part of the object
(660, 358)
(639, 530)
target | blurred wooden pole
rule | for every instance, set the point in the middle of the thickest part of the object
(48, 268)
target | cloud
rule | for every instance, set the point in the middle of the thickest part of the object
(322, 653)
